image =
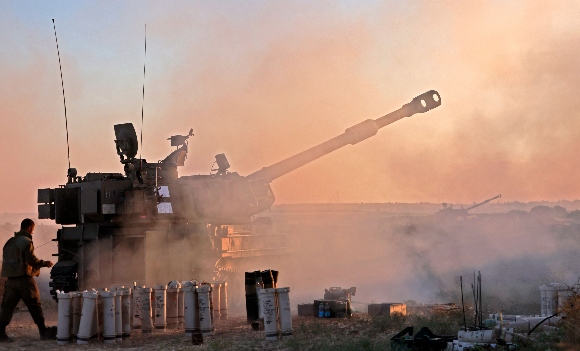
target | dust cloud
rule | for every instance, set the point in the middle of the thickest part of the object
(394, 256)
(390, 252)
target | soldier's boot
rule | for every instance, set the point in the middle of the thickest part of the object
(3, 336)
(47, 333)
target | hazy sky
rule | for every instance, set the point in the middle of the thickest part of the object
(262, 80)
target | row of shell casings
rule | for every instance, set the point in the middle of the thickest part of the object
(275, 310)
(188, 302)
(114, 313)
(85, 314)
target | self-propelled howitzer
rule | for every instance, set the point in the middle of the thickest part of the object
(115, 224)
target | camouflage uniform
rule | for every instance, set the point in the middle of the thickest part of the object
(20, 265)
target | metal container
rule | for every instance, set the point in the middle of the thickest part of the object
(63, 333)
(284, 312)
(205, 322)
(87, 317)
(109, 328)
(160, 306)
(270, 311)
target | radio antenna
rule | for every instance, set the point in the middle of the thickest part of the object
(63, 98)
(143, 101)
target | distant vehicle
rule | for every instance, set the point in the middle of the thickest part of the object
(449, 211)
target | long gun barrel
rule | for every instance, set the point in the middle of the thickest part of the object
(352, 135)
(483, 203)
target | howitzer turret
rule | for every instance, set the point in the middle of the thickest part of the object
(252, 194)
(102, 211)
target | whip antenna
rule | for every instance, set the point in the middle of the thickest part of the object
(143, 101)
(63, 98)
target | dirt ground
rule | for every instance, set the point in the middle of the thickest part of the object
(232, 333)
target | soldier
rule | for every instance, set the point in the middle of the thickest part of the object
(20, 265)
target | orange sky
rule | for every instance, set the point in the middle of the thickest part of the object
(261, 81)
